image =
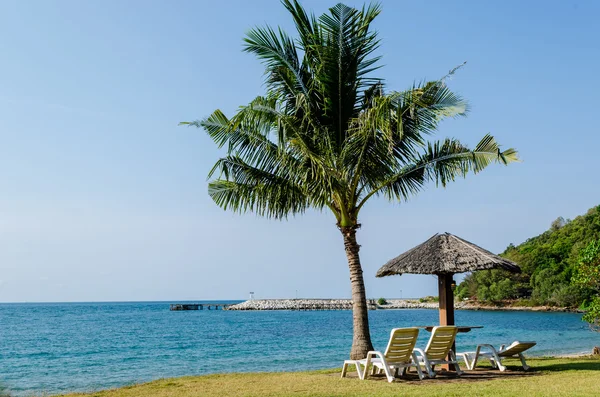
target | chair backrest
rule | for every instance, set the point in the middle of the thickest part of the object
(401, 344)
(440, 343)
(515, 348)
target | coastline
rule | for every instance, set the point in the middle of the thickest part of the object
(172, 344)
(392, 304)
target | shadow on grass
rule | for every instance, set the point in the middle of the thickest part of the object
(484, 372)
(479, 374)
(551, 364)
(592, 365)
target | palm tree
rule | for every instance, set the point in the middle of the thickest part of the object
(327, 135)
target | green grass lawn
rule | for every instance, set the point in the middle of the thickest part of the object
(548, 377)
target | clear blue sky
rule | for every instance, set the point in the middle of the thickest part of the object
(104, 197)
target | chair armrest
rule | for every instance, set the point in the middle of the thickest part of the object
(370, 355)
(420, 351)
(492, 348)
(375, 353)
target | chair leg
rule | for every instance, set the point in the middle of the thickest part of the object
(388, 374)
(459, 372)
(474, 362)
(525, 366)
(361, 374)
(469, 363)
(418, 366)
(465, 358)
(345, 369)
(498, 361)
(429, 368)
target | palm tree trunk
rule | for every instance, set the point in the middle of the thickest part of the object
(361, 341)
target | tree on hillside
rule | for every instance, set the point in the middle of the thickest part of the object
(558, 223)
(328, 135)
(588, 276)
(548, 263)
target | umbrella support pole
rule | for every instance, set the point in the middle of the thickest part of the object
(446, 307)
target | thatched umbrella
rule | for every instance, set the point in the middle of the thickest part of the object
(443, 255)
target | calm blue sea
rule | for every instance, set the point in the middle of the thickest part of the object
(59, 347)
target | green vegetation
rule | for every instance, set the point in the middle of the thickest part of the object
(549, 263)
(381, 301)
(328, 135)
(429, 299)
(587, 276)
(549, 377)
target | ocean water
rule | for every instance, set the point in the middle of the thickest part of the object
(59, 347)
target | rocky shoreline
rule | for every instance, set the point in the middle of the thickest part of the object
(468, 306)
(346, 304)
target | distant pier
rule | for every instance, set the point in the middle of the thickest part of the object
(198, 306)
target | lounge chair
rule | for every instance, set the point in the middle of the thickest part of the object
(439, 350)
(516, 349)
(399, 355)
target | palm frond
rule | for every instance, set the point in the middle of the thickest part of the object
(345, 61)
(442, 162)
(272, 201)
(279, 54)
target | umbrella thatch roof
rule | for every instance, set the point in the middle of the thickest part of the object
(445, 254)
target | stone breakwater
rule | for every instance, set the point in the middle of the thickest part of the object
(408, 304)
(326, 304)
(295, 304)
(346, 304)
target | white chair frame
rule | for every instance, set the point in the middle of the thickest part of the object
(495, 356)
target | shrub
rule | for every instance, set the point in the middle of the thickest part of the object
(588, 276)
(381, 301)
(592, 315)
(567, 296)
(524, 303)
